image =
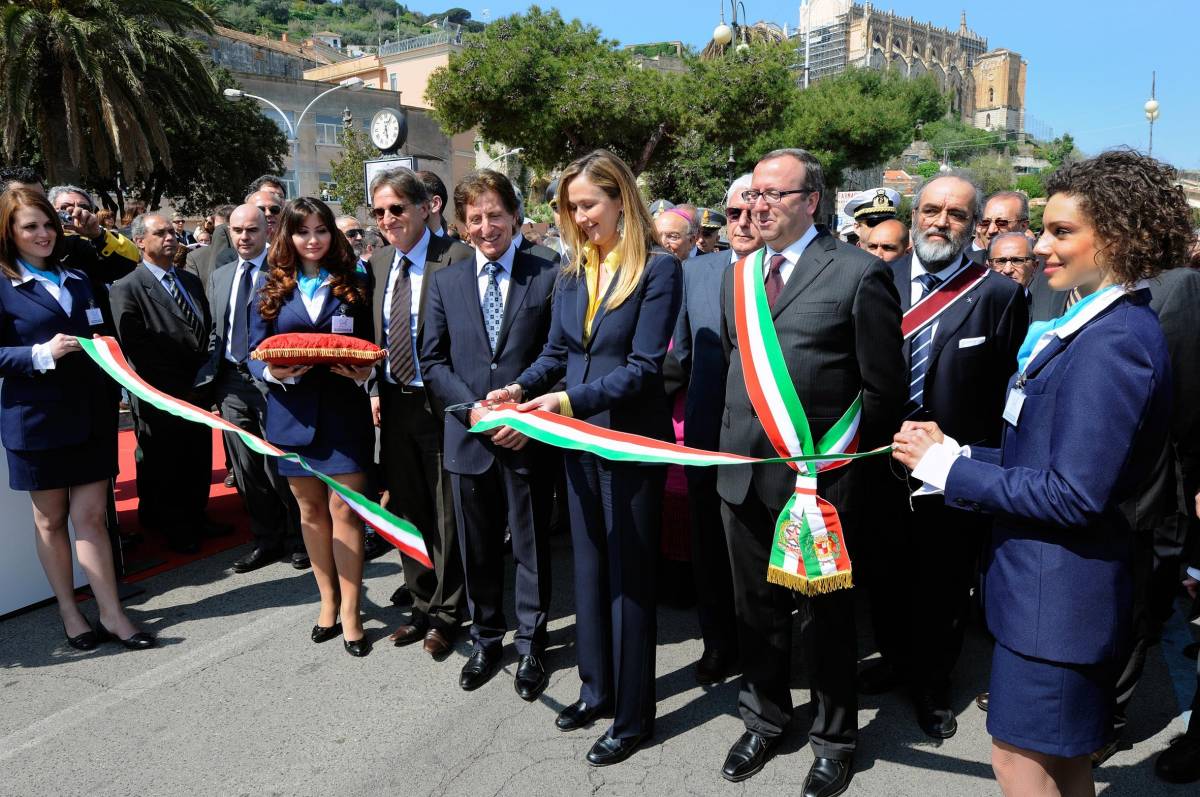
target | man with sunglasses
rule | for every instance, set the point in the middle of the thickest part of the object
(355, 235)
(271, 204)
(1004, 211)
(836, 315)
(410, 420)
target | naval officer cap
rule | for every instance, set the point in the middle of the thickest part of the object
(874, 204)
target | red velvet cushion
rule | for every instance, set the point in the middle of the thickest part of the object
(317, 348)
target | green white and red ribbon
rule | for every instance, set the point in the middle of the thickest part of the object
(108, 355)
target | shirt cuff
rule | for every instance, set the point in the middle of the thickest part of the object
(934, 466)
(1194, 573)
(43, 360)
(274, 380)
(564, 405)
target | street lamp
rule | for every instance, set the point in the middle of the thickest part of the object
(1151, 109)
(351, 83)
(723, 34)
(502, 156)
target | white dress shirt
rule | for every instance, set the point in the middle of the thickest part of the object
(256, 264)
(416, 276)
(43, 360)
(160, 274)
(916, 288)
(791, 254)
(503, 275)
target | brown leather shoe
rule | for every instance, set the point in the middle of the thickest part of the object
(437, 644)
(407, 634)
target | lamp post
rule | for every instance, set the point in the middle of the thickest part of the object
(723, 34)
(1151, 109)
(351, 83)
(729, 164)
(502, 156)
(805, 17)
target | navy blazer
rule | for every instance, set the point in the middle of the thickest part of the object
(1094, 420)
(457, 362)
(699, 350)
(321, 397)
(60, 407)
(614, 380)
(965, 385)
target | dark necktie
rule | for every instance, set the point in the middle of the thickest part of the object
(493, 305)
(182, 303)
(774, 279)
(399, 334)
(240, 310)
(922, 343)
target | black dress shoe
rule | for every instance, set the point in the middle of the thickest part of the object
(1106, 752)
(608, 750)
(531, 678)
(828, 777)
(878, 678)
(259, 557)
(981, 700)
(324, 633)
(300, 560)
(577, 715)
(402, 596)
(714, 667)
(138, 641)
(1180, 763)
(230, 481)
(357, 647)
(934, 714)
(478, 670)
(88, 640)
(747, 757)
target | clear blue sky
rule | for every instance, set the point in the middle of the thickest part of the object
(1089, 62)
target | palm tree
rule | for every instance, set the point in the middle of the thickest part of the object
(90, 84)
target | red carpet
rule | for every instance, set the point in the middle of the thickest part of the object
(150, 555)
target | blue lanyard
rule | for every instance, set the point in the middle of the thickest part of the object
(310, 285)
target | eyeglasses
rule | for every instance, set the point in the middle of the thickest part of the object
(772, 195)
(396, 210)
(673, 237)
(270, 210)
(1009, 261)
(733, 214)
(1001, 224)
(354, 233)
(931, 212)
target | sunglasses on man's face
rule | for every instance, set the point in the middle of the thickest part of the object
(733, 214)
(270, 210)
(354, 233)
(396, 210)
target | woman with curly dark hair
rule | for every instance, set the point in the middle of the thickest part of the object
(1086, 417)
(321, 413)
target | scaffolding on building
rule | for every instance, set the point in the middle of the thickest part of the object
(827, 49)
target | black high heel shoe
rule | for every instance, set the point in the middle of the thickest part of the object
(358, 647)
(142, 640)
(324, 633)
(88, 640)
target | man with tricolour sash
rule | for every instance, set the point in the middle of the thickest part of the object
(811, 330)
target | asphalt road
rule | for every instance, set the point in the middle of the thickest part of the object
(238, 701)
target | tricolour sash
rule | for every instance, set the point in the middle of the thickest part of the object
(809, 553)
(940, 299)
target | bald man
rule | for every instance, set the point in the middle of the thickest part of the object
(268, 500)
(887, 240)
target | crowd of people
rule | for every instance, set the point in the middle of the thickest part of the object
(1036, 387)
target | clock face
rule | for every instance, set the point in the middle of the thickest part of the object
(385, 130)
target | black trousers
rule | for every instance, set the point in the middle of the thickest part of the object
(274, 516)
(616, 524)
(710, 564)
(764, 625)
(484, 505)
(174, 473)
(419, 489)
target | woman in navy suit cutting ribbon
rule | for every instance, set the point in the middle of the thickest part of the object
(1086, 416)
(321, 413)
(58, 414)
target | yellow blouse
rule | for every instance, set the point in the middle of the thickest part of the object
(592, 271)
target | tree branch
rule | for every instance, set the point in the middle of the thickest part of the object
(648, 150)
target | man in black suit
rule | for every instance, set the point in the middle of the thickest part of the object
(487, 319)
(233, 292)
(700, 355)
(837, 317)
(163, 324)
(959, 366)
(409, 418)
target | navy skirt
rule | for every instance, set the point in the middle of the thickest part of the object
(70, 466)
(332, 457)
(1049, 707)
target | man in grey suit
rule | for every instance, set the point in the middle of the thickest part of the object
(410, 420)
(232, 290)
(836, 313)
(699, 353)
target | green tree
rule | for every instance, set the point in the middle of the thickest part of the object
(94, 85)
(960, 142)
(348, 172)
(559, 90)
(926, 169)
(992, 173)
(1060, 150)
(1032, 185)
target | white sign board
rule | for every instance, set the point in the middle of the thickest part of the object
(377, 166)
(842, 198)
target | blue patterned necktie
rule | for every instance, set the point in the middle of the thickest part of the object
(173, 288)
(493, 305)
(240, 309)
(922, 344)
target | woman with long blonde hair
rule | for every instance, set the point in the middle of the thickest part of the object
(613, 314)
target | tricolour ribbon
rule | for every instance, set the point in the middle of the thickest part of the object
(106, 353)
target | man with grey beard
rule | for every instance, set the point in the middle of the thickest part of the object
(959, 365)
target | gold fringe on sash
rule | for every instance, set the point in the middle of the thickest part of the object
(843, 579)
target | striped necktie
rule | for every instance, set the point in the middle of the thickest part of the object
(922, 345)
(182, 303)
(1072, 297)
(399, 333)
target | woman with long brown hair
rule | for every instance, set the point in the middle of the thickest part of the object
(613, 314)
(58, 414)
(321, 413)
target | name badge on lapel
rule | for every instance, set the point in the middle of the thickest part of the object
(94, 317)
(342, 323)
(1012, 407)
